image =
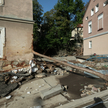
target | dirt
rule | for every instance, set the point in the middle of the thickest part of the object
(76, 83)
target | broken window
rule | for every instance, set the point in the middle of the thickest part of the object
(2, 40)
(100, 21)
(90, 27)
(90, 44)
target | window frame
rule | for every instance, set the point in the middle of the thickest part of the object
(89, 29)
(100, 16)
(105, 3)
(92, 11)
(90, 44)
(2, 2)
(96, 8)
(86, 18)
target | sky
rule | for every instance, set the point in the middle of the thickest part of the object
(49, 4)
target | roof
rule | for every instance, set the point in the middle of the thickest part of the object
(80, 25)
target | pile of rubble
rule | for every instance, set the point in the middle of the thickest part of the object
(36, 69)
(91, 89)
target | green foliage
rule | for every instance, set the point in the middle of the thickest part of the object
(37, 12)
(57, 24)
(37, 17)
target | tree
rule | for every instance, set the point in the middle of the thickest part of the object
(37, 12)
(69, 13)
(48, 39)
(58, 24)
(37, 17)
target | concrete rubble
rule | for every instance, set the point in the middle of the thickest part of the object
(19, 75)
(90, 89)
(17, 78)
(47, 93)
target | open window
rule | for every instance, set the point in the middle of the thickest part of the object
(2, 40)
(100, 22)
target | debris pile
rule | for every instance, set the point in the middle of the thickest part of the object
(36, 69)
(39, 69)
(6, 65)
(91, 89)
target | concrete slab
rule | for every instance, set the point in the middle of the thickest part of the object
(80, 60)
(102, 64)
(65, 58)
(52, 81)
(60, 58)
(48, 93)
(33, 87)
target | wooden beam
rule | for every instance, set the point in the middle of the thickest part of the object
(105, 77)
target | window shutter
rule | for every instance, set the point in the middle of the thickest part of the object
(100, 23)
(3, 36)
(2, 40)
(0, 45)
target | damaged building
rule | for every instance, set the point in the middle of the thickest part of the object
(16, 30)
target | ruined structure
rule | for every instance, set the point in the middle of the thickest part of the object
(16, 29)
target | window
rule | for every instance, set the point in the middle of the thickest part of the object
(105, 3)
(97, 8)
(100, 22)
(92, 12)
(2, 40)
(90, 44)
(86, 18)
(90, 27)
(1, 2)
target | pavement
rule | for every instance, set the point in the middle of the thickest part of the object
(27, 96)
